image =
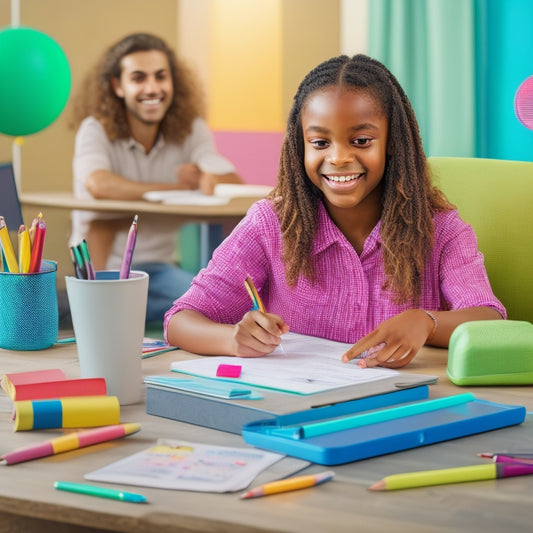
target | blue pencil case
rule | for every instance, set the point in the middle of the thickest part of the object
(388, 436)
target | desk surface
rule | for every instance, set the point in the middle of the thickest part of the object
(28, 501)
(236, 208)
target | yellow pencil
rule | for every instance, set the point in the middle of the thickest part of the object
(9, 253)
(256, 299)
(292, 483)
(24, 249)
(254, 294)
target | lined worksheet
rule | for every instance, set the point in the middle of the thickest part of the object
(302, 365)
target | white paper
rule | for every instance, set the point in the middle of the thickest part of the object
(184, 198)
(303, 365)
(222, 194)
(183, 465)
(241, 190)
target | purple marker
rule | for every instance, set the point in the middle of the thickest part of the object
(128, 252)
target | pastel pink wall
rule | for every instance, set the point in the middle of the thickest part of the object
(254, 153)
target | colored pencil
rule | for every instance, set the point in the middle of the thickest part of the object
(445, 476)
(256, 300)
(285, 485)
(24, 249)
(38, 245)
(72, 441)
(128, 252)
(7, 247)
(254, 295)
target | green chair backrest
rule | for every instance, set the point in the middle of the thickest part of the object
(496, 198)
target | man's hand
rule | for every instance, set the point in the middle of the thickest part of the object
(189, 176)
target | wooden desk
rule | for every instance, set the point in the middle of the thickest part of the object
(232, 211)
(228, 215)
(28, 501)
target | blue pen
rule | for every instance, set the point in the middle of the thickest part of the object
(101, 492)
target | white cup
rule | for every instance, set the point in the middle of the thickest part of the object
(108, 316)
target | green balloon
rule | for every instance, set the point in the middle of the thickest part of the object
(35, 82)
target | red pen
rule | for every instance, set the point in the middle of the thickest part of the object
(38, 245)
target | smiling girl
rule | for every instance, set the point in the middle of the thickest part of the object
(354, 244)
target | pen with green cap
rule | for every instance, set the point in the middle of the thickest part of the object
(84, 250)
(101, 492)
(77, 261)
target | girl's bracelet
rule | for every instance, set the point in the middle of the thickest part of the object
(435, 325)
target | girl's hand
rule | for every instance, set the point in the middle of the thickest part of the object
(258, 334)
(400, 338)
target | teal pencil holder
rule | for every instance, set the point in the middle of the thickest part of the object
(28, 309)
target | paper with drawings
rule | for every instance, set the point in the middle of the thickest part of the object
(305, 365)
(182, 465)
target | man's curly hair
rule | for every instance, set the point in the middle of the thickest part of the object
(98, 99)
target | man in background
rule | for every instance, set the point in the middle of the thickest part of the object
(141, 128)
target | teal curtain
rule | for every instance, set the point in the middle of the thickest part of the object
(460, 62)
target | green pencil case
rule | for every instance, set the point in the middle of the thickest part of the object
(491, 352)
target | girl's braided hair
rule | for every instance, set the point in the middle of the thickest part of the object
(409, 199)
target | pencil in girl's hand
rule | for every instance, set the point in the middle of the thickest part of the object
(128, 252)
(24, 249)
(254, 295)
(256, 299)
(38, 245)
(10, 263)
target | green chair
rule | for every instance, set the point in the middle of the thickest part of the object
(496, 198)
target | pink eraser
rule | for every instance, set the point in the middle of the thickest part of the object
(229, 371)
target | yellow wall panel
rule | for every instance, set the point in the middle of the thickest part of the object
(310, 34)
(245, 89)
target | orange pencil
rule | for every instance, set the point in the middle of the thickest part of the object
(292, 483)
